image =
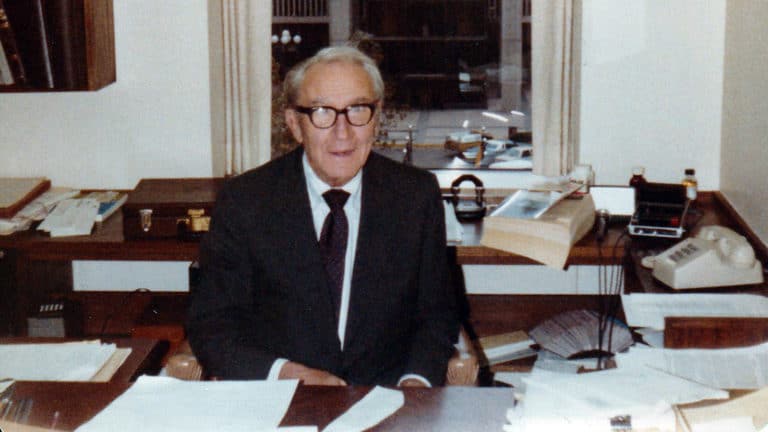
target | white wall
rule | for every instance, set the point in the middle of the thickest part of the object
(744, 157)
(652, 88)
(153, 122)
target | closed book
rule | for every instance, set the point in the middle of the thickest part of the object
(504, 347)
(548, 238)
(109, 203)
(16, 192)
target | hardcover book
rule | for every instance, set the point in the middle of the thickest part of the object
(16, 192)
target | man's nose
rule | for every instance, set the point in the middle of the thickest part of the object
(342, 126)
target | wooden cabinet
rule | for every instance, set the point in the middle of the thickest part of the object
(56, 45)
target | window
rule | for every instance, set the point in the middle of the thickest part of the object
(542, 42)
(451, 67)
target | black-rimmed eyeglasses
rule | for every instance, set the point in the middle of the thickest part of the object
(324, 117)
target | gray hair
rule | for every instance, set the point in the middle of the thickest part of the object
(344, 54)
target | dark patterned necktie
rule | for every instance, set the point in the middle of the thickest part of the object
(333, 243)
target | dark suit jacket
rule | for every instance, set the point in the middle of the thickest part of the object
(263, 292)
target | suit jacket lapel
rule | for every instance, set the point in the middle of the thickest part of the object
(302, 240)
(370, 252)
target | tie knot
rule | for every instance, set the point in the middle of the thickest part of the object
(336, 198)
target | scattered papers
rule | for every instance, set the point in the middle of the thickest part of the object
(67, 361)
(649, 310)
(725, 368)
(36, 210)
(71, 217)
(588, 402)
(166, 404)
(377, 405)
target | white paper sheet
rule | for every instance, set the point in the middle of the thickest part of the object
(726, 368)
(587, 402)
(67, 361)
(369, 411)
(166, 404)
(649, 310)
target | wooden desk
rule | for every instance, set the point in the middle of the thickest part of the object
(447, 409)
(145, 357)
(38, 266)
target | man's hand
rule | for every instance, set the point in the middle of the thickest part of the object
(412, 382)
(309, 376)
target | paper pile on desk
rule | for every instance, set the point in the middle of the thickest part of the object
(67, 361)
(642, 397)
(167, 404)
(36, 210)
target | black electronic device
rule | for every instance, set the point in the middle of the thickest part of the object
(468, 209)
(56, 318)
(660, 210)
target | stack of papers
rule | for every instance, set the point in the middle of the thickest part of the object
(577, 332)
(67, 361)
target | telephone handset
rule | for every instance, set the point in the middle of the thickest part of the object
(715, 256)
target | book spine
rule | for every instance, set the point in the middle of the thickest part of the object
(28, 22)
(65, 39)
(9, 50)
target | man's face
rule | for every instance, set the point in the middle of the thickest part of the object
(336, 154)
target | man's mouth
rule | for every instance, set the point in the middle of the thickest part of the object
(342, 153)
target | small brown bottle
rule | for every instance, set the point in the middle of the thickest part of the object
(691, 184)
(638, 177)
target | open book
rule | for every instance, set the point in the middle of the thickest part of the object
(545, 237)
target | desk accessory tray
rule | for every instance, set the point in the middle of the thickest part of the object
(170, 208)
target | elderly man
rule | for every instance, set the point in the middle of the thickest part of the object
(329, 264)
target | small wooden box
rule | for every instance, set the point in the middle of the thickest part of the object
(170, 208)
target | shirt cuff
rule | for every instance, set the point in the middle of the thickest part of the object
(274, 371)
(416, 377)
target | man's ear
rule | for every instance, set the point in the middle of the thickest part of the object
(292, 120)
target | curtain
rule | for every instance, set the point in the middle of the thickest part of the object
(555, 98)
(245, 63)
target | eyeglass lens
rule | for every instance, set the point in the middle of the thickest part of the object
(357, 115)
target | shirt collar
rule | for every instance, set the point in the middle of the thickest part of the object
(317, 187)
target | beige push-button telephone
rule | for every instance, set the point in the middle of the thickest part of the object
(716, 256)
